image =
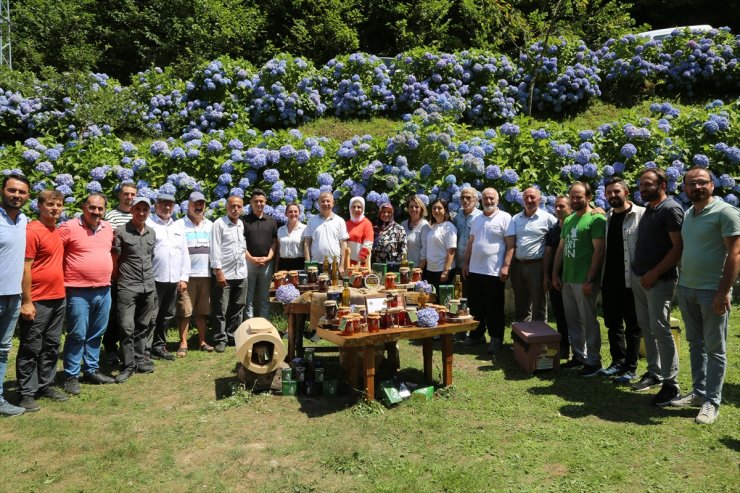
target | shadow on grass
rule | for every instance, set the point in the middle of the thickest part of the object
(730, 443)
(731, 394)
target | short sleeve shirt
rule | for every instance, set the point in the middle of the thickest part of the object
(704, 250)
(462, 223)
(653, 237)
(135, 255)
(441, 237)
(489, 245)
(12, 249)
(578, 234)
(44, 247)
(87, 254)
(326, 235)
(416, 240)
(530, 233)
(198, 239)
(259, 232)
(291, 244)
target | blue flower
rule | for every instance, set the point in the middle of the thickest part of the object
(224, 179)
(510, 129)
(509, 176)
(45, 167)
(271, 175)
(125, 174)
(325, 179)
(628, 151)
(214, 146)
(52, 154)
(701, 160)
(427, 317)
(451, 179)
(31, 155)
(94, 187)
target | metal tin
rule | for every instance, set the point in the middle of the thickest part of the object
(318, 374)
(308, 354)
(290, 387)
(299, 372)
(287, 374)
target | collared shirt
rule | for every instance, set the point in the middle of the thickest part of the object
(291, 244)
(44, 246)
(326, 236)
(462, 222)
(629, 239)
(489, 246)
(704, 250)
(87, 254)
(117, 217)
(171, 259)
(135, 254)
(530, 232)
(198, 239)
(12, 251)
(260, 232)
(228, 248)
(416, 240)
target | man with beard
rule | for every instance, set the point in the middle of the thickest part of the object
(42, 312)
(654, 275)
(117, 217)
(12, 250)
(710, 263)
(580, 254)
(526, 238)
(88, 267)
(133, 252)
(486, 257)
(171, 266)
(326, 234)
(260, 231)
(617, 301)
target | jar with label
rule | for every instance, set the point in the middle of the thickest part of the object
(405, 274)
(349, 326)
(442, 312)
(416, 275)
(277, 279)
(373, 322)
(390, 280)
(343, 311)
(293, 277)
(323, 283)
(312, 275)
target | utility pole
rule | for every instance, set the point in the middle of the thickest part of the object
(6, 52)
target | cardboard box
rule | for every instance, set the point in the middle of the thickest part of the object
(423, 394)
(536, 346)
(389, 393)
(675, 332)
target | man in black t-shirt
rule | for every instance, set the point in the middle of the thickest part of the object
(260, 231)
(552, 240)
(616, 293)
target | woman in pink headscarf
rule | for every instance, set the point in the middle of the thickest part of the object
(390, 238)
(360, 229)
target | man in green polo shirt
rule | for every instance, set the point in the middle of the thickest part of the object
(580, 253)
(710, 263)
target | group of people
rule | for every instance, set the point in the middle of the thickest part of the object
(120, 277)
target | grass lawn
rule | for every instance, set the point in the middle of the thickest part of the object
(495, 430)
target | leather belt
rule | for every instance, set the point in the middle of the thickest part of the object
(531, 261)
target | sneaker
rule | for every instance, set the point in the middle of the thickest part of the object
(612, 370)
(162, 354)
(29, 404)
(72, 386)
(573, 363)
(97, 378)
(8, 409)
(625, 378)
(53, 394)
(707, 414)
(473, 341)
(647, 381)
(688, 400)
(668, 392)
(590, 371)
(494, 346)
(220, 347)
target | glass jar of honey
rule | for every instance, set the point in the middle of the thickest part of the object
(349, 327)
(416, 275)
(405, 275)
(323, 281)
(313, 275)
(331, 309)
(390, 280)
(373, 323)
(293, 277)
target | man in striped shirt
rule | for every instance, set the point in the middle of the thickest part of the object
(117, 217)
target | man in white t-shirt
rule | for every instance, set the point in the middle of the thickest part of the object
(196, 299)
(486, 266)
(326, 234)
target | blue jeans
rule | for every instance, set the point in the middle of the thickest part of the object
(10, 308)
(653, 308)
(87, 319)
(706, 333)
(258, 290)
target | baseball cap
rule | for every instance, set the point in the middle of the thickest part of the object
(165, 197)
(138, 200)
(196, 196)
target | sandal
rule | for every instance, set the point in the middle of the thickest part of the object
(182, 352)
(206, 347)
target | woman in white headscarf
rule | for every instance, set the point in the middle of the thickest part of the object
(360, 231)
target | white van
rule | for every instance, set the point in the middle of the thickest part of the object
(664, 33)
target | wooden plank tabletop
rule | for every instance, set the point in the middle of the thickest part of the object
(393, 334)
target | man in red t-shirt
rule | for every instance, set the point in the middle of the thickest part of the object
(42, 311)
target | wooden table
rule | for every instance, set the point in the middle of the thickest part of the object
(366, 342)
(297, 314)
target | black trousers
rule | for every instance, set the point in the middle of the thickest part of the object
(298, 263)
(620, 319)
(227, 306)
(111, 337)
(165, 312)
(486, 298)
(36, 364)
(558, 310)
(433, 278)
(135, 312)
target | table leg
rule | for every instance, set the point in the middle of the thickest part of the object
(350, 358)
(427, 353)
(299, 322)
(291, 336)
(447, 360)
(368, 365)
